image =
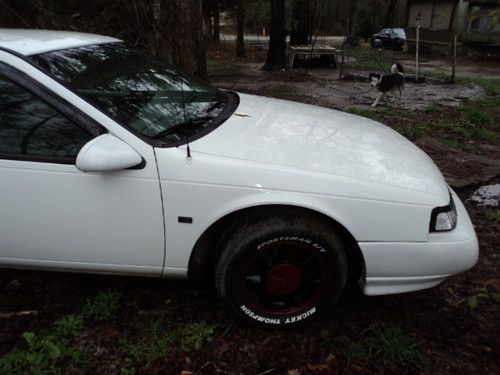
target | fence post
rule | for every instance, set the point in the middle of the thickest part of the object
(454, 61)
(341, 71)
(416, 51)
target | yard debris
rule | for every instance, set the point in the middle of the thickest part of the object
(488, 195)
(17, 314)
(460, 169)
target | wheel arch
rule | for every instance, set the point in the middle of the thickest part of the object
(206, 249)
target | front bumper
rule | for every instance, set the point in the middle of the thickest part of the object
(399, 267)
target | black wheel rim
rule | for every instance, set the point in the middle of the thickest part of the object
(284, 277)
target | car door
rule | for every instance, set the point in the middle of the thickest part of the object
(54, 216)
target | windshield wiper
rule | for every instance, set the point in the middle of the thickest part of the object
(218, 102)
(188, 123)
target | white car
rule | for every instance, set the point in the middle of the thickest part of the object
(113, 162)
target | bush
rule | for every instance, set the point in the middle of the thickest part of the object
(103, 306)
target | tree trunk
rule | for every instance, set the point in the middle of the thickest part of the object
(276, 54)
(198, 39)
(207, 20)
(216, 35)
(20, 13)
(240, 20)
(184, 32)
(391, 11)
(157, 26)
(352, 37)
(300, 23)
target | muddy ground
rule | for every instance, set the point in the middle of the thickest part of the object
(453, 328)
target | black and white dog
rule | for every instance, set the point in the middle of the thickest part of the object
(388, 82)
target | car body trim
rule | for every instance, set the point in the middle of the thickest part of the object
(80, 267)
(376, 286)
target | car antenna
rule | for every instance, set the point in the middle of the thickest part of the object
(185, 119)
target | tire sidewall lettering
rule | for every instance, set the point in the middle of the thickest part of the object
(299, 316)
(278, 320)
(257, 241)
(306, 241)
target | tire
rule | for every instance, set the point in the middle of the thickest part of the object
(281, 271)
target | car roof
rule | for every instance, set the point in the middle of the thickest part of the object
(32, 42)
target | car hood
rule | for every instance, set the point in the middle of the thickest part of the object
(317, 139)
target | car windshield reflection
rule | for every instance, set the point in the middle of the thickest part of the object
(138, 90)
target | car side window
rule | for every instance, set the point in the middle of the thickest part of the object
(30, 129)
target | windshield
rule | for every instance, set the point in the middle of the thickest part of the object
(138, 90)
(399, 32)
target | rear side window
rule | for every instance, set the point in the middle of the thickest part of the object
(399, 32)
(30, 129)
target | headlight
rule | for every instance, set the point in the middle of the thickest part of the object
(444, 218)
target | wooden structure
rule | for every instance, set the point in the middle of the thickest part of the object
(308, 51)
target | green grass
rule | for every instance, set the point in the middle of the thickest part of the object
(413, 132)
(363, 112)
(477, 117)
(158, 342)
(46, 352)
(382, 344)
(391, 344)
(472, 125)
(161, 342)
(490, 102)
(103, 306)
(365, 60)
(491, 86)
(372, 65)
(432, 109)
(195, 335)
(493, 215)
(69, 326)
(450, 143)
(484, 134)
(453, 127)
(51, 349)
(391, 112)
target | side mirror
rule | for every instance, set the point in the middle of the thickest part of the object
(107, 153)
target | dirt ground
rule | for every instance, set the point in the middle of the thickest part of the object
(454, 327)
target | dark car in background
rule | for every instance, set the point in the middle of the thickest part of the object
(393, 39)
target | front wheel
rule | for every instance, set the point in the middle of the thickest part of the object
(281, 271)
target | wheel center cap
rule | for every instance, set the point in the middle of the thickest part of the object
(283, 279)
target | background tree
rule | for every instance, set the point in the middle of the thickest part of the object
(352, 37)
(171, 29)
(240, 28)
(216, 29)
(211, 20)
(207, 20)
(300, 24)
(258, 16)
(276, 53)
(391, 11)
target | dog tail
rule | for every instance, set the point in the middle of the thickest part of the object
(397, 68)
